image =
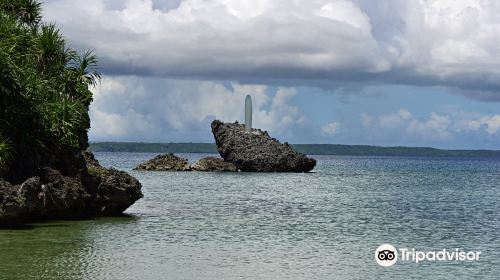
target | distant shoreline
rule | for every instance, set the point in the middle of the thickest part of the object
(311, 149)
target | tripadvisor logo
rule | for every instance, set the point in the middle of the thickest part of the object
(387, 255)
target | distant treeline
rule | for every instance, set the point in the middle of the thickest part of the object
(153, 147)
(311, 149)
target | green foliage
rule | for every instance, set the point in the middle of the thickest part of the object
(85, 67)
(65, 118)
(95, 171)
(44, 85)
(51, 56)
(83, 72)
(5, 154)
(26, 11)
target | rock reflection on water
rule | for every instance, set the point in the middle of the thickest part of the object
(53, 250)
(41, 251)
(323, 225)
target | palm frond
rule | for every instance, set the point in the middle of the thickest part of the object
(86, 68)
(27, 11)
(5, 153)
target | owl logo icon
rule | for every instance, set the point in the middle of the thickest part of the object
(386, 255)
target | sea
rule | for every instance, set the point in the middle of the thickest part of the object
(326, 224)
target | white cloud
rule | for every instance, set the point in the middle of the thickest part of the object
(416, 42)
(436, 127)
(278, 38)
(366, 120)
(132, 108)
(156, 109)
(452, 43)
(490, 124)
(394, 120)
(403, 125)
(110, 125)
(171, 61)
(202, 36)
(331, 128)
(347, 12)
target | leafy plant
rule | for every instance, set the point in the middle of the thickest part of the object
(44, 86)
(5, 154)
(27, 11)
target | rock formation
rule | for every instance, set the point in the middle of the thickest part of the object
(167, 162)
(44, 125)
(171, 162)
(213, 164)
(49, 194)
(256, 150)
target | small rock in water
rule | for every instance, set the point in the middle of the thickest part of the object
(214, 164)
(166, 162)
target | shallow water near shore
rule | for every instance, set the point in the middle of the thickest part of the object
(322, 225)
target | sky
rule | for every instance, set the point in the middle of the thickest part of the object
(387, 72)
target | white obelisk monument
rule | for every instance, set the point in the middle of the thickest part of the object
(248, 113)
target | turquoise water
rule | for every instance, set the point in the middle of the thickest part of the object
(322, 225)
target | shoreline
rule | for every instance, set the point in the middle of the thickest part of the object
(310, 149)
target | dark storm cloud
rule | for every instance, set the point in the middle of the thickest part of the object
(320, 43)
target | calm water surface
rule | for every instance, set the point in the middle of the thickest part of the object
(322, 225)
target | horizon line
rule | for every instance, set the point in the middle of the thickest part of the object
(316, 144)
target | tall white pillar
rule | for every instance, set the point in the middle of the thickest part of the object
(248, 113)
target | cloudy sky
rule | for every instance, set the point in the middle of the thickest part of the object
(395, 72)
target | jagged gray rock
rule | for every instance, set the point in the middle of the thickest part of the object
(112, 191)
(256, 150)
(213, 164)
(166, 162)
(49, 194)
